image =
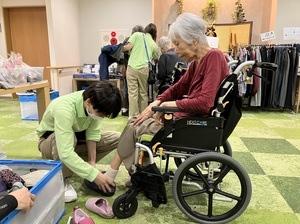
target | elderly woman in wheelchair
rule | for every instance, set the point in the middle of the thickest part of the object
(200, 84)
(192, 129)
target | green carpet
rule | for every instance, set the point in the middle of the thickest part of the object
(266, 143)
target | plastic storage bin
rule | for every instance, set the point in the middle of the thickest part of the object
(49, 205)
(29, 106)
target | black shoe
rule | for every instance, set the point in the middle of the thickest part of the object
(93, 186)
(125, 113)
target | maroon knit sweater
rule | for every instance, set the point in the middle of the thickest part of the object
(200, 83)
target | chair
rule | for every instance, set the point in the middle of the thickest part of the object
(209, 186)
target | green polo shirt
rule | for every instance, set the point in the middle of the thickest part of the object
(138, 57)
(66, 115)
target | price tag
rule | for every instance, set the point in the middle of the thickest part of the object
(267, 36)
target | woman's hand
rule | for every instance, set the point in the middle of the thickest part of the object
(25, 199)
(147, 113)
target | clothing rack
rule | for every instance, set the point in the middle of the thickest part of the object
(266, 45)
(280, 93)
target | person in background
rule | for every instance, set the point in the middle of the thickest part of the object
(138, 70)
(200, 83)
(166, 63)
(125, 109)
(70, 131)
(20, 199)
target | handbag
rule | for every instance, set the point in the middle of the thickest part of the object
(151, 76)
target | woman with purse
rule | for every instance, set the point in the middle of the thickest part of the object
(143, 49)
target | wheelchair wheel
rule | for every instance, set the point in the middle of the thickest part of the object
(124, 209)
(212, 199)
(225, 149)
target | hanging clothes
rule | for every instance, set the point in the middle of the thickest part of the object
(280, 91)
(256, 99)
(279, 82)
(109, 54)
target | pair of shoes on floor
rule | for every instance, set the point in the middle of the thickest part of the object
(70, 193)
(100, 206)
(80, 217)
(93, 186)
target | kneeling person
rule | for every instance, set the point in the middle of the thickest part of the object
(70, 132)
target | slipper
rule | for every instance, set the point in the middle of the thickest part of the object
(80, 217)
(93, 186)
(100, 206)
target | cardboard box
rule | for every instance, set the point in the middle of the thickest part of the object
(49, 204)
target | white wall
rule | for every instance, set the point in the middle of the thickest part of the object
(112, 15)
(63, 31)
(287, 16)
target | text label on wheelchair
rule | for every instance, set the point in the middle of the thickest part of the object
(196, 122)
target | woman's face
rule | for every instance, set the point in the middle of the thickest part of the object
(184, 50)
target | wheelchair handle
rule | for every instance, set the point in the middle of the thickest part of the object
(262, 65)
(255, 64)
(233, 62)
(266, 65)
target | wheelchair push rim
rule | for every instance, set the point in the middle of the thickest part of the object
(213, 199)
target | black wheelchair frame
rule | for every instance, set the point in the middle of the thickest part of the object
(207, 178)
(178, 71)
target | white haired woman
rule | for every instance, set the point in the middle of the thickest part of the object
(200, 83)
(166, 63)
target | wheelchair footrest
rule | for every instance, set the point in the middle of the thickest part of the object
(151, 182)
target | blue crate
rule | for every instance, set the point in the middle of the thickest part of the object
(32, 98)
(49, 206)
(29, 106)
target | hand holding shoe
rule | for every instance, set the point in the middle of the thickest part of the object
(104, 182)
(102, 185)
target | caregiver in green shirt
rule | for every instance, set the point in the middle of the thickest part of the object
(70, 131)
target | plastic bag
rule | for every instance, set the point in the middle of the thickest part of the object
(15, 72)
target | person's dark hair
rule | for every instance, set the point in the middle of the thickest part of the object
(152, 30)
(105, 98)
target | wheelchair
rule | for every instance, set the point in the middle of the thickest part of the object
(178, 71)
(209, 186)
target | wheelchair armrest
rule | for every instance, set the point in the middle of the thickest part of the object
(172, 110)
(166, 109)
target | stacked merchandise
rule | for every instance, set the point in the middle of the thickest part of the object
(13, 72)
